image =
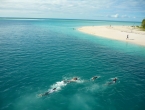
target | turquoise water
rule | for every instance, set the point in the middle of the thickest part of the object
(36, 55)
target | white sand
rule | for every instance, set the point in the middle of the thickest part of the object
(117, 33)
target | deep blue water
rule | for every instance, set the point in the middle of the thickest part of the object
(37, 54)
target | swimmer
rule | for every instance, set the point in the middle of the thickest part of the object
(48, 92)
(113, 81)
(72, 80)
(95, 77)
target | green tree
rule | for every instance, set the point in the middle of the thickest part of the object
(143, 23)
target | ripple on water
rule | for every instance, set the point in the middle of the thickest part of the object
(34, 58)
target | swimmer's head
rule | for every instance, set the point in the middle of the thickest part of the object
(115, 79)
(75, 78)
(95, 77)
(54, 88)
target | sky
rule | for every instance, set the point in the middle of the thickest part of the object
(120, 10)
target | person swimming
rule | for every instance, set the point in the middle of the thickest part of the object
(95, 77)
(48, 92)
(54, 89)
(113, 81)
(72, 80)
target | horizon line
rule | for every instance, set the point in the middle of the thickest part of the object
(65, 19)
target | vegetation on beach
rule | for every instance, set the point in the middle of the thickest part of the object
(143, 23)
(142, 27)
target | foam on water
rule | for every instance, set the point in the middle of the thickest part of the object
(80, 81)
(58, 85)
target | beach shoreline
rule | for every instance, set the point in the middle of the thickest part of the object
(122, 33)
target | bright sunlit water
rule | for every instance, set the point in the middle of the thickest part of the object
(36, 55)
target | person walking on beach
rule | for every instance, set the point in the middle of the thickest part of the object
(127, 37)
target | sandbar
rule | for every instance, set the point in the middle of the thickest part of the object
(135, 35)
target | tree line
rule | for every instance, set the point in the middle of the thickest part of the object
(143, 23)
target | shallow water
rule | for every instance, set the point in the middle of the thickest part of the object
(37, 55)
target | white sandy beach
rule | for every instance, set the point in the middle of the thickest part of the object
(117, 33)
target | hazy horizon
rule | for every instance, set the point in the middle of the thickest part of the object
(68, 19)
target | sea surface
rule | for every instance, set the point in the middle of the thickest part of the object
(36, 55)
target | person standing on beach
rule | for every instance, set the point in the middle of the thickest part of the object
(127, 37)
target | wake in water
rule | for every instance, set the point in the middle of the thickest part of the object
(55, 87)
(58, 85)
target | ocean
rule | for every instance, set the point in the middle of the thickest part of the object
(37, 55)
